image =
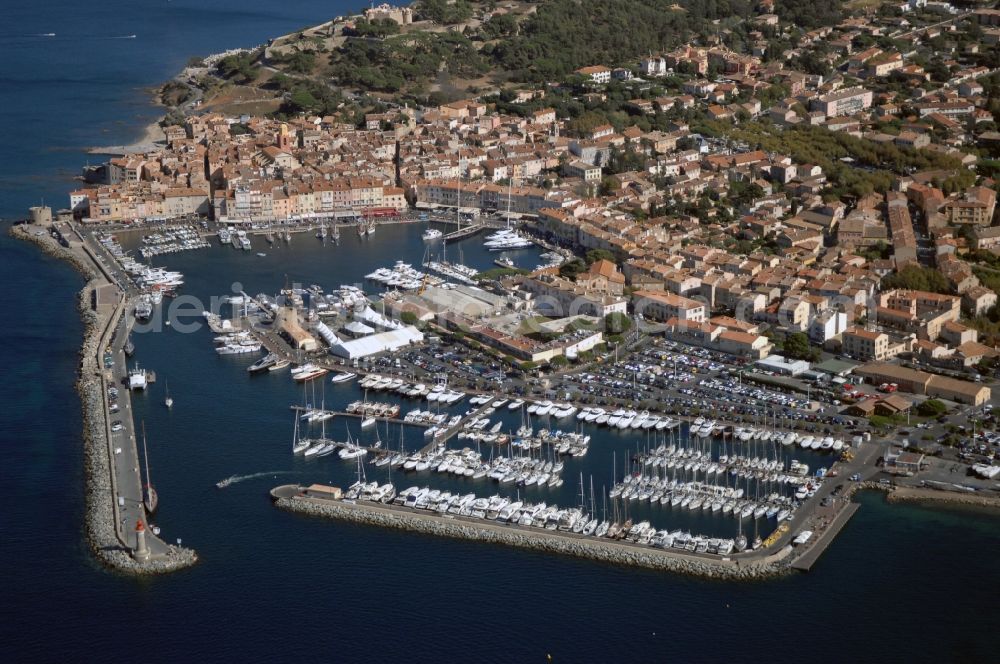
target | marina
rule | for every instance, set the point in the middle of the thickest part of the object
(171, 241)
(185, 463)
(674, 485)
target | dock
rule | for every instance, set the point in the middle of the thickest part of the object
(429, 446)
(361, 416)
(460, 233)
(752, 565)
(816, 548)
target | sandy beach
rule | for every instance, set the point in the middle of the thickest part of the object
(152, 138)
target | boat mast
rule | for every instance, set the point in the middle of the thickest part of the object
(145, 455)
(458, 202)
(510, 187)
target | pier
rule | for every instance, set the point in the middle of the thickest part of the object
(126, 479)
(360, 416)
(461, 233)
(821, 541)
(756, 564)
(117, 525)
(437, 440)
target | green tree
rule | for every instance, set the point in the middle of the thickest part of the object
(571, 269)
(302, 101)
(932, 408)
(797, 347)
(617, 323)
(915, 277)
(595, 255)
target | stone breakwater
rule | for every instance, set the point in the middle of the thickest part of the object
(99, 514)
(904, 494)
(544, 541)
(926, 496)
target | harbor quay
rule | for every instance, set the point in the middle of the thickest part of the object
(117, 515)
(778, 558)
(303, 500)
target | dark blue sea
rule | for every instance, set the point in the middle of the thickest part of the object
(899, 584)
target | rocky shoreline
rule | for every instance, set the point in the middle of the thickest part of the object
(592, 549)
(927, 496)
(99, 526)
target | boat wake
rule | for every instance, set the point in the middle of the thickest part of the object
(229, 481)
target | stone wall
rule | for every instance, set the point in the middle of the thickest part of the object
(592, 548)
(99, 515)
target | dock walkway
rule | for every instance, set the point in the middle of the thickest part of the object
(451, 431)
(816, 548)
(460, 233)
(344, 413)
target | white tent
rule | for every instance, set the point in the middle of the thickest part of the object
(327, 334)
(372, 317)
(359, 329)
(377, 343)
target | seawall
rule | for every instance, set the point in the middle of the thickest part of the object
(99, 514)
(606, 551)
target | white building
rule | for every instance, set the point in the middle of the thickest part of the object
(827, 325)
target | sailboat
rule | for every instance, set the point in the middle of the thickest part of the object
(299, 445)
(169, 401)
(149, 498)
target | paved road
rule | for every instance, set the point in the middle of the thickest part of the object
(126, 459)
(127, 462)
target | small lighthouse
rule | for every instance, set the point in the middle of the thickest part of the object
(141, 551)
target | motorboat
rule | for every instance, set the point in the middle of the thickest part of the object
(263, 364)
(308, 371)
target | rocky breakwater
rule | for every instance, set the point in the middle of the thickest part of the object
(901, 493)
(904, 494)
(99, 516)
(607, 551)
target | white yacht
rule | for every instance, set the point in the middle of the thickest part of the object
(343, 377)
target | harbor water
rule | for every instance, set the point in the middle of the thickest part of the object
(901, 583)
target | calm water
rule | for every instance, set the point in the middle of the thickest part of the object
(900, 584)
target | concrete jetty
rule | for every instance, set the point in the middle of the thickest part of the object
(806, 560)
(117, 526)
